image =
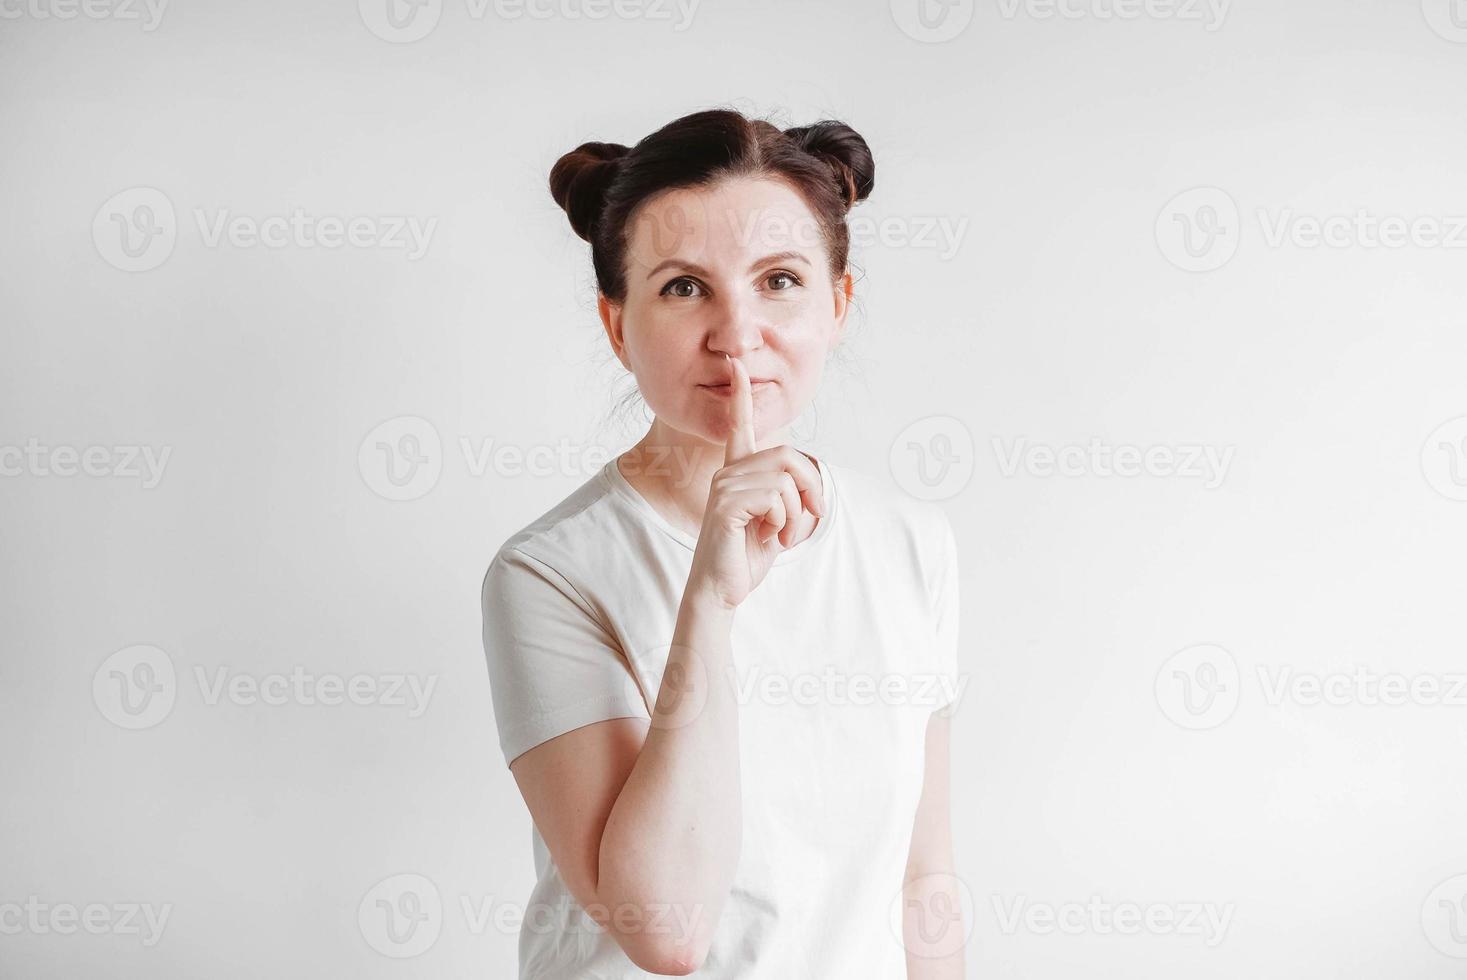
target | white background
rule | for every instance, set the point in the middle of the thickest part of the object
(1070, 311)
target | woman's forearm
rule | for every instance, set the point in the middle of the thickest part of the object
(672, 840)
(933, 931)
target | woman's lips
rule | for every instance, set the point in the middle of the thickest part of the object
(725, 389)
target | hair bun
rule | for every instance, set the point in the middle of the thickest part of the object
(844, 151)
(579, 179)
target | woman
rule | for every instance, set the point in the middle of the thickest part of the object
(722, 780)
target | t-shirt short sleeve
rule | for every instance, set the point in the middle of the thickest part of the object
(553, 667)
(946, 618)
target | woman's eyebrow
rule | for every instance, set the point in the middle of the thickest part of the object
(695, 267)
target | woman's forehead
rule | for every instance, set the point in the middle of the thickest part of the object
(727, 223)
(729, 200)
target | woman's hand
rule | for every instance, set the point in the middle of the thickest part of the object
(753, 503)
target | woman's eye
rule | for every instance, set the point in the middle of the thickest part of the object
(676, 285)
(685, 288)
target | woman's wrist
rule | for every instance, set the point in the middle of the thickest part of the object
(706, 602)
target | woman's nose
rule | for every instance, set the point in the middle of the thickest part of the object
(736, 331)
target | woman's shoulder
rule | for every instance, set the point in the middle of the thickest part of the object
(876, 501)
(555, 537)
(894, 529)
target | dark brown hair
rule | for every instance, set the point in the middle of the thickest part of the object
(601, 185)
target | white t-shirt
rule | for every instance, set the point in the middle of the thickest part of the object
(840, 656)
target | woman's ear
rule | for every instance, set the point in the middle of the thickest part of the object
(611, 319)
(844, 289)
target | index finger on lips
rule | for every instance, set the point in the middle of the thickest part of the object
(740, 441)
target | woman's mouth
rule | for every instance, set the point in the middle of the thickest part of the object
(725, 388)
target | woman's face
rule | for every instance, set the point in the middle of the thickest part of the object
(736, 269)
